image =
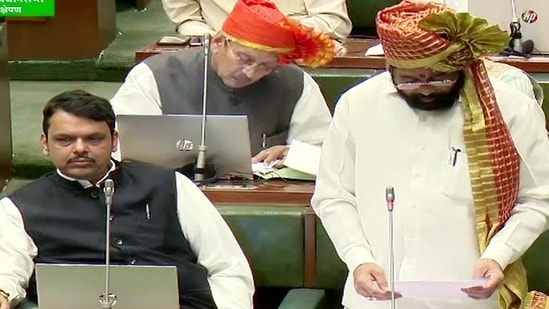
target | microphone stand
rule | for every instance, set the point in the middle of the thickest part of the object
(390, 198)
(200, 169)
(516, 35)
(108, 300)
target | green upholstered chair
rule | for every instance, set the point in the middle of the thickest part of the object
(27, 305)
(272, 238)
(363, 15)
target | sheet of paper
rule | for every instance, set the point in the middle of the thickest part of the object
(287, 173)
(303, 157)
(376, 50)
(261, 167)
(436, 289)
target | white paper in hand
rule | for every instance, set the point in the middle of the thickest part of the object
(436, 289)
(303, 157)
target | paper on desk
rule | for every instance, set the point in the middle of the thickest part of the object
(376, 50)
(303, 157)
(261, 167)
(287, 173)
(436, 289)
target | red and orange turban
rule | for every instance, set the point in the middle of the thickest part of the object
(430, 35)
(259, 24)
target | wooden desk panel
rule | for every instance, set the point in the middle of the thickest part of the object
(81, 29)
(355, 59)
(5, 119)
(272, 192)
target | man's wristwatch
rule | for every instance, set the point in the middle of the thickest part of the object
(4, 294)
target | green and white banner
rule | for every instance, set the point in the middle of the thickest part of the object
(27, 8)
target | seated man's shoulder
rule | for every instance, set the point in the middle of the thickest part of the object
(290, 70)
(165, 60)
(507, 94)
(146, 168)
(38, 185)
(512, 103)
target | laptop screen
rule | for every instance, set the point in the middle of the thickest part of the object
(532, 14)
(70, 286)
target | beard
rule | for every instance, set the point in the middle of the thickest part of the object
(436, 101)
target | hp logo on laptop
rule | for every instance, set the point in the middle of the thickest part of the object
(184, 145)
(529, 16)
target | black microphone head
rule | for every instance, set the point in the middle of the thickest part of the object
(390, 194)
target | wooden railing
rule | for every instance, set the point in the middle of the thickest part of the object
(5, 121)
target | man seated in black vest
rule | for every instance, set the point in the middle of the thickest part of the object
(158, 217)
(247, 76)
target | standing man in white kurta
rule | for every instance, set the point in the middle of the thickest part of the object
(468, 158)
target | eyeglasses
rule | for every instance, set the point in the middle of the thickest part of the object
(248, 63)
(434, 83)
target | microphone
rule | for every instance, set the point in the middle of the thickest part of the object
(201, 171)
(517, 46)
(516, 35)
(108, 300)
(200, 168)
(390, 199)
(108, 189)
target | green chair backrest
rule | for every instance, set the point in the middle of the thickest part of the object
(363, 12)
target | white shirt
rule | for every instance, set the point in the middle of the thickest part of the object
(210, 238)
(309, 122)
(456, 5)
(376, 140)
(196, 17)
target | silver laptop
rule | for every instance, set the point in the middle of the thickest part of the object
(533, 16)
(172, 141)
(70, 286)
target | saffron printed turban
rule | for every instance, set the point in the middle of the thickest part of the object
(431, 35)
(259, 24)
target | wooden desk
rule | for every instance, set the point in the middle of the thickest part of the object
(355, 59)
(275, 193)
(5, 120)
(81, 29)
(271, 192)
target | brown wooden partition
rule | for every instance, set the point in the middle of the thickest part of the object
(5, 120)
(80, 29)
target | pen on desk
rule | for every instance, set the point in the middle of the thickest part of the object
(263, 140)
(148, 212)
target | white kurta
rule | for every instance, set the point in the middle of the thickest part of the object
(195, 17)
(457, 5)
(215, 246)
(376, 140)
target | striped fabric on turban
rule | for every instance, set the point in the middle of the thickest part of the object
(259, 24)
(430, 35)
